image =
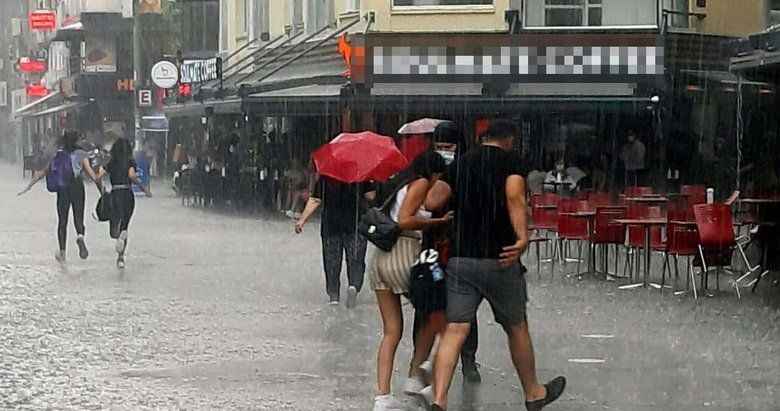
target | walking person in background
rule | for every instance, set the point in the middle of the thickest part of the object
(121, 171)
(488, 196)
(390, 272)
(64, 177)
(342, 206)
(633, 156)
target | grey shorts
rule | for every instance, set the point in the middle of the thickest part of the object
(471, 280)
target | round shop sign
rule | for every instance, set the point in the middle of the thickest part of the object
(165, 74)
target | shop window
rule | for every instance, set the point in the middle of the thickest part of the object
(200, 25)
(296, 15)
(441, 2)
(680, 6)
(241, 13)
(591, 13)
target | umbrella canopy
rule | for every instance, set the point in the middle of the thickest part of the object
(421, 126)
(359, 157)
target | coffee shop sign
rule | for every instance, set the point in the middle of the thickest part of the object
(198, 71)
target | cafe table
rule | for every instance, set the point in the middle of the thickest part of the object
(648, 200)
(647, 224)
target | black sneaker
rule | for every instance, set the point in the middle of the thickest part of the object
(471, 372)
(83, 252)
(435, 407)
(554, 390)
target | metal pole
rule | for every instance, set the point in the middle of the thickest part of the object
(138, 74)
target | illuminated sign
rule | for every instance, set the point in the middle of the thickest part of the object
(198, 71)
(36, 90)
(28, 65)
(43, 20)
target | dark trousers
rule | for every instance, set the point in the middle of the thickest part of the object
(122, 207)
(334, 247)
(468, 354)
(71, 197)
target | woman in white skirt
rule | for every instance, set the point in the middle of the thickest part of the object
(389, 273)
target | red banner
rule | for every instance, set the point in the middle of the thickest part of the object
(28, 65)
(36, 90)
(43, 20)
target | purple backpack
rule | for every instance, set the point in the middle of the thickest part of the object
(60, 172)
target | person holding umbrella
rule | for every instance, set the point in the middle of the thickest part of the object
(347, 168)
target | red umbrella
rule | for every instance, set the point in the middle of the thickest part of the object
(358, 157)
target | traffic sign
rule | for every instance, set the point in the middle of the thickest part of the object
(144, 98)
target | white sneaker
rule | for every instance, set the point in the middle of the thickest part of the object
(427, 369)
(121, 242)
(387, 403)
(427, 394)
(352, 293)
(414, 385)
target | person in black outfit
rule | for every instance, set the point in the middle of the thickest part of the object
(72, 196)
(121, 170)
(487, 190)
(342, 205)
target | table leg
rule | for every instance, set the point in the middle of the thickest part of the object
(642, 284)
(648, 253)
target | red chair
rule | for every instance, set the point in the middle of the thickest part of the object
(696, 194)
(682, 240)
(544, 221)
(606, 231)
(600, 199)
(717, 241)
(572, 228)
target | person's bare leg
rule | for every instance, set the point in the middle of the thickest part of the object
(522, 350)
(426, 337)
(393, 325)
(447, 359)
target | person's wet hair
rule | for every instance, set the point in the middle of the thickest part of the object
(501, 129)
(428, 164)
(121, 152)
(70, 139)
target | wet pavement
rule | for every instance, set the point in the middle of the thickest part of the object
(218, 311)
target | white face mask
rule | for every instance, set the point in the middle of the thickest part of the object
(449, 156)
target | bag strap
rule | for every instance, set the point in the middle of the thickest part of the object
(393, 194)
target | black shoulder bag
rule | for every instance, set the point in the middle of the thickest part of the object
(377, 226)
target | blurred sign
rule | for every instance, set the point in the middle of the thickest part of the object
(42, 20)
(198, 71)
(36, 90)
(28, 65)
(185, 90)
(165, 74)
(99, 54)
(149, 6)
(144, 98)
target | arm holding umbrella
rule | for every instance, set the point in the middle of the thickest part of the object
(312, 204)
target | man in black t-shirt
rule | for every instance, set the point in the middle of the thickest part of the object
(342, 206)
(487, 193)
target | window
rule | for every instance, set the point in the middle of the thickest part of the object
(242, 23)
(319, 14)
(3, 94)
(441, 2)
(773, 18)
(200, 26)
(677, 20)
(572, 13)
(591, 13)
(352, 5)
(261, 21)
(296, 15)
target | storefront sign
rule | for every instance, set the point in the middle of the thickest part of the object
(36, 90)
(42, 20)
(125, 85)
(165, 74)
(198, 71)
(100, 54)
(28, 65)
(144, 98)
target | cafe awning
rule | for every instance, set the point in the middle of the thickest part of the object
(63, 107)
(37, 103)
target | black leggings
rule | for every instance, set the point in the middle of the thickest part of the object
(122, 207)
(71, 197)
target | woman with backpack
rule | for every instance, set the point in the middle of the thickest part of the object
(389, 273)
(121, 171)
(64, 177)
